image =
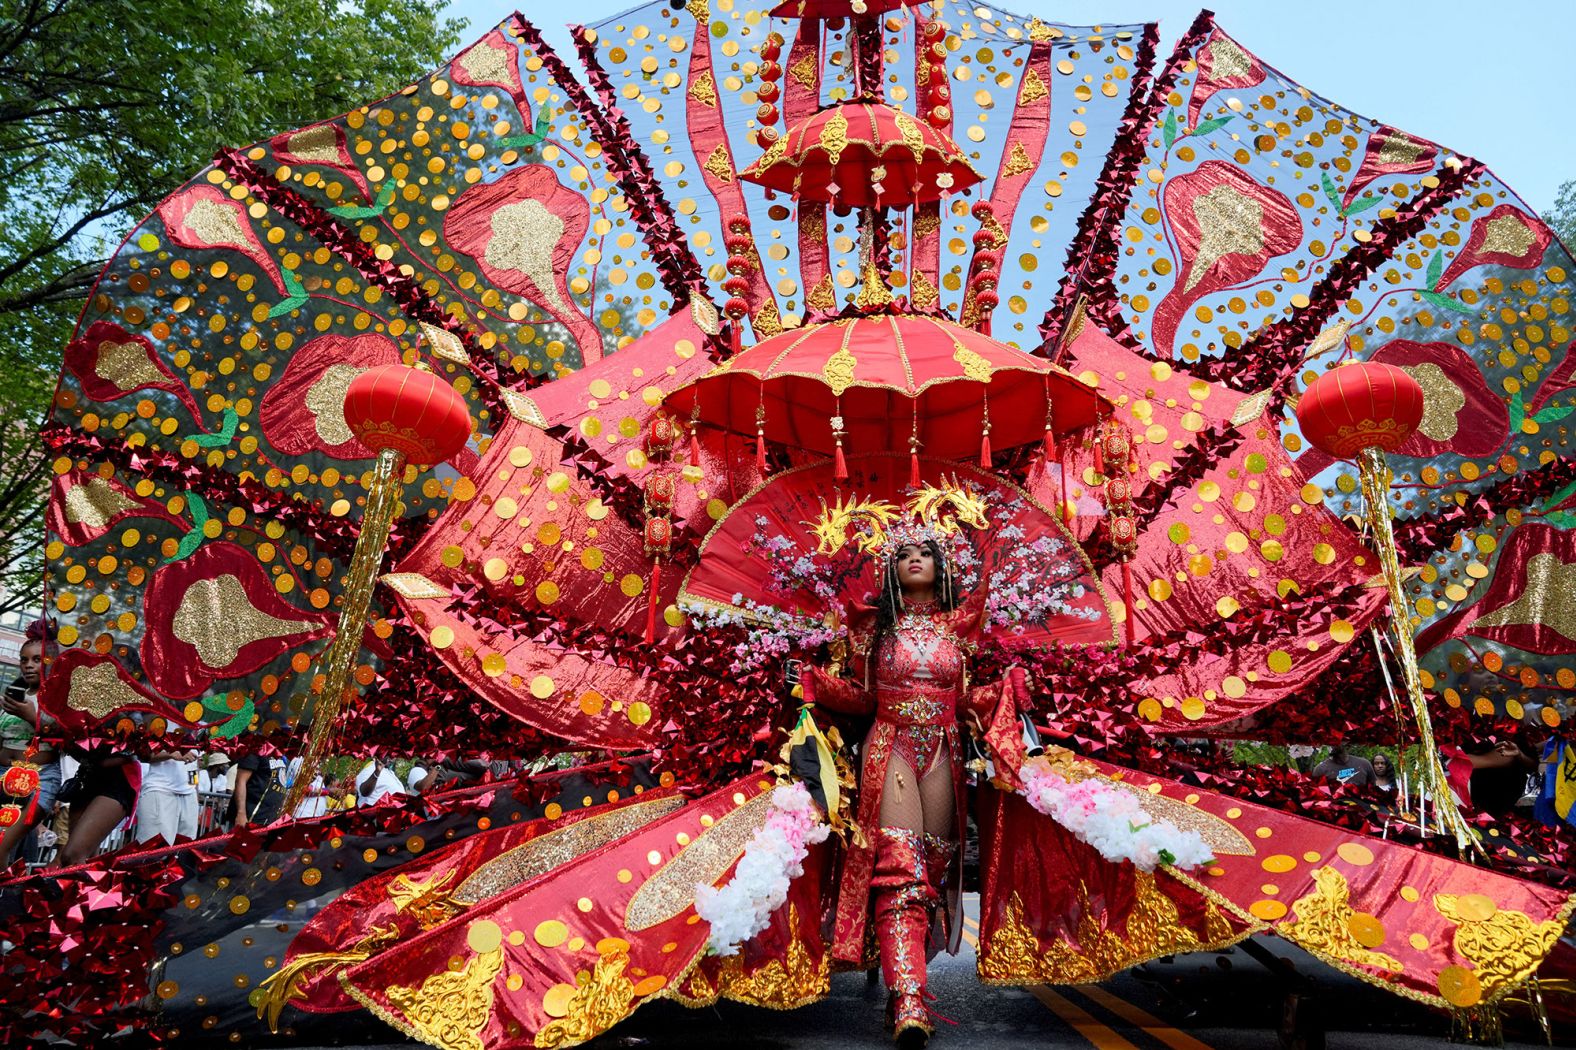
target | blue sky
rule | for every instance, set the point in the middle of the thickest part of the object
(1500, 91)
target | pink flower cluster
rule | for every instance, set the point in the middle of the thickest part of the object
(1109, 817)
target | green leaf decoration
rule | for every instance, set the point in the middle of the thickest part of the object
(1168, 130)
(295, 295)
(221, 437)
(1361, 204)
(237, 723)
(1212, 124)
(1330, 191)
(1554, 413)
(1560, 519)
(363, 211)
(1562, 495)
(544, 124)
(1445, 302)
(1518, 412)
(193, 539)
(1436, 267)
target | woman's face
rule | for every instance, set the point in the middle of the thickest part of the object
(1381, 765)
(32, 662)
(916, 567)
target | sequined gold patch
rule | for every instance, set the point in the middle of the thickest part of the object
(325, 399)
(486, 64)
(1507, 235)
(216, 618)
(95, 503)
(1229, 223)
(672, 888)
(315, 144)
(127, 365)
(1227, 59)
(1442, 400)
(524, 235)
(216, 224)
(1549, 598)
(99, 690)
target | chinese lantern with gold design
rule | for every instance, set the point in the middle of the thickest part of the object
(1361, 411)
(661, 487)
(404, 415)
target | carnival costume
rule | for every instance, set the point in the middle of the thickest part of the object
(681, 375)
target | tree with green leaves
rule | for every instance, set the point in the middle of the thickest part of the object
(1563, 216)
(106, 106)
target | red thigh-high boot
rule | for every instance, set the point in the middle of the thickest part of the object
(903, 900)
(939, 854)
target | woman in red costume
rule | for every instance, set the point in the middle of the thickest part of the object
(902, 889)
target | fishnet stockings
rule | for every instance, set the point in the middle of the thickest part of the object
(919, 804)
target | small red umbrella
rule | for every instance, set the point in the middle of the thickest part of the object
(863, 155)
(893, 382)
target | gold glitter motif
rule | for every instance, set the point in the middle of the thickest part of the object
(1549, 599)
(95, 503)
(216, 224)
(822, 298)
(325, 399)
(430, 903)
(216, 618)
(1504, 946)
(1442, 399)
(1400, 149)
(672, 888)
(99, 690)
(806, 69)
(1227, 59)
(413, 585)
(1507, 235)
(546, 852)
(452, 1007)
(975, 367)
(834, 138)
(1324, 924)
(485, 64)
(317, 145)
(1229, 223)
(602, 1001)
(127, 366)
(923, 294)
(524, 235)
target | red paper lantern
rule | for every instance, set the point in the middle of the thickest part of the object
(658, 535)
(415, 413)
(660, 490)
(1124, 530)
(20, 781)
(1360, 406)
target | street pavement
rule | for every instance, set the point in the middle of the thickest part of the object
(1211, 1001)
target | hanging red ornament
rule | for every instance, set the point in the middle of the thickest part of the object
(1358, 406)
(20, 781)
(415, 413)
(766, 113)
(10, 815)
(661, 433)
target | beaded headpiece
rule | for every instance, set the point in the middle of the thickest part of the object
(880, 528)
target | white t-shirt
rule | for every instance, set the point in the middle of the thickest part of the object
(386, 783)
(169, 775)
(416, 775)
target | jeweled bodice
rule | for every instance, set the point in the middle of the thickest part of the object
(920, 651)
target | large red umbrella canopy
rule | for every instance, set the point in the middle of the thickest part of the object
(833, 8)
(876, 372)
(863, 154)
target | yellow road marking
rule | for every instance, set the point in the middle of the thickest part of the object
(1083, 1022)
(1172, 1037)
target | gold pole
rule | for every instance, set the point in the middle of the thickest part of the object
(1375, 474)
(383, 496)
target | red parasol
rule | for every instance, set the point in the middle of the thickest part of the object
(892, 380)
(863, 155)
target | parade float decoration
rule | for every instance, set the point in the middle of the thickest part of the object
(750, 272)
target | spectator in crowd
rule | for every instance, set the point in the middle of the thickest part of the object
(375, 782)
(101, 794)
(315, 802)
(417, 776)
(259, 794)
(20, 722)
(168, 807)
(1384, 773)
(1345, 769)
(1498, 778)
(448, 773)
(213, 774)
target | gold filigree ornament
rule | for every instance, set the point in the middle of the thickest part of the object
(933, 512)
(451, 1008)
(603, 1000)
(1504, 946)
(798, 979)
(1014, 954)
(1327, 925)
(286, 984)
(430, 903)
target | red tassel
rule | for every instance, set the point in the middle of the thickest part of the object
(839, 464)
(651, 601)
(985, 450)
(760, 452)
(1099, 454)
(1127, 600)
(913, 470)
(694, 447)
(1050, 445)
(1067, 512)
(736, 335)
